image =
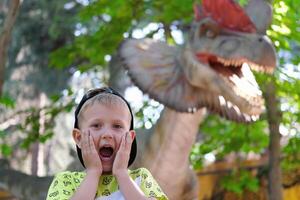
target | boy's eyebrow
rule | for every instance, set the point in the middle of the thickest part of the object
(114, 120)
(119, 120)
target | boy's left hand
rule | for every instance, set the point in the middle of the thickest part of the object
(121, 160)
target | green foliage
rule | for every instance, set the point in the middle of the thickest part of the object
(243, 2)
(169, 11)
(5, 148)
(103, 24)
(99, 20)
(239, 181)
(222, 137)
(31, 127)
(285, 25)
(7, 101)
(291, 154)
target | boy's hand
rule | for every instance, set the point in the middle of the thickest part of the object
(121, 160)
(90, 155)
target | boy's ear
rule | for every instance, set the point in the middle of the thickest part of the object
(76, 133)
(132, 134)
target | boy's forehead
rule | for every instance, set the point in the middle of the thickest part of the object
(108, 100)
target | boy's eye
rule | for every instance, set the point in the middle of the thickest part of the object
(96, 125)
(118, 126)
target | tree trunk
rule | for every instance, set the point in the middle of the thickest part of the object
(35, 150)
(5, 37)
(274, 118)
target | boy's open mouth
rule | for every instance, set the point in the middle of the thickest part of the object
(106, 152)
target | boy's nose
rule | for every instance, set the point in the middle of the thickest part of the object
(106, 134)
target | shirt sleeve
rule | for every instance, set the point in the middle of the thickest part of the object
(150, 187)
(61, 187)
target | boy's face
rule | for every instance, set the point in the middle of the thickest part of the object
(107, 124)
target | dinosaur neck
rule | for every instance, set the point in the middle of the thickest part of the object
(169, 147)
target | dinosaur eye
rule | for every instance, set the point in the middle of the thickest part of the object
(209, 29)
(210, 33)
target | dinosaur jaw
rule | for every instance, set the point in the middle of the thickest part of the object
(225, 64)
(237, 86)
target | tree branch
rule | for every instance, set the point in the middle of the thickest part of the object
(6, 35)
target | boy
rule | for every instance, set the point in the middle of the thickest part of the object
(106, 146)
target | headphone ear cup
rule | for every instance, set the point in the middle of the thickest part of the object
(79, 154)
(133, 152)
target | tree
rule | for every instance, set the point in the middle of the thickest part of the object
(115, 19)
(6, 35)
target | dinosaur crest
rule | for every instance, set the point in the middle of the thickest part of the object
(213, 69)
(227, 14)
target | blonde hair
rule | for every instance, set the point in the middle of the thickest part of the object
(106, 99)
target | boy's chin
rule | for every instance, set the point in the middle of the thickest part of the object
(107, 173)
(106, 169)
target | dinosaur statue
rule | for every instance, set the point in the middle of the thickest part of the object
(212, 72)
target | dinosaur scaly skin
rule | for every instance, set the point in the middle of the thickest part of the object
(212, 70)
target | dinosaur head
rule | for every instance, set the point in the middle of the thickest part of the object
(223, 32)
(227, 46)
(213, 70)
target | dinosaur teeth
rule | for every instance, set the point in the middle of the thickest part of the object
(233, 112)
(247, 118)
(222, 101)
(192, 109)
(231, 63)
(250, 99)
(260, 68)
(238, 63)
(254, 117)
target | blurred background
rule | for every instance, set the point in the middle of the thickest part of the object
(53, 51)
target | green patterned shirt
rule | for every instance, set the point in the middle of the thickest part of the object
(65, 184)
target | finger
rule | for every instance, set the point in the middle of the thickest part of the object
(83, 139)
(127, 142)
(88, 148)
(123, 142)
(129, 138)
(91, 142)
(85, 143)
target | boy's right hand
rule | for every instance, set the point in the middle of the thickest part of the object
(90, 155)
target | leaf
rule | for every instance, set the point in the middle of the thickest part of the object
(7, 101)
(54, 98)
(2, 134)
(43, 138)
(240, 180)
(6, 150)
